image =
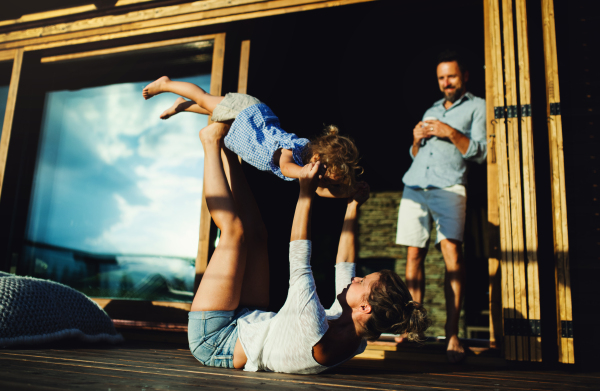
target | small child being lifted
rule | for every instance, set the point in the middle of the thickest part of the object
(256, 136)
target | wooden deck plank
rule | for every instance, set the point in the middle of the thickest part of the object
(137, 365)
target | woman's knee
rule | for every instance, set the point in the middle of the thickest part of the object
(234, 230)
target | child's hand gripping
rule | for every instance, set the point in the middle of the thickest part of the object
(309, 178)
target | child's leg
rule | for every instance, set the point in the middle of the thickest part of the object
(185, 89)
(255, 287)
(221, 284)
(183, 105)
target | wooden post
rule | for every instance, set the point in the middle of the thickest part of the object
(10, 111)
(244, 66)
(529, 193)
(508, 298)
(216, 83)
(493, 233)
(514, 162)
(559, 207)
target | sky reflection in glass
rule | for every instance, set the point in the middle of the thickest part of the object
(113, 178)
(3, 100)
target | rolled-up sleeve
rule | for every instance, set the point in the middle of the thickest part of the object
(477, 150)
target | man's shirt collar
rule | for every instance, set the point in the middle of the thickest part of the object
(466, 95)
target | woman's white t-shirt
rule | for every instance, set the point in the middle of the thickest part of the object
(284, 341)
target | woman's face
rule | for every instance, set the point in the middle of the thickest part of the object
(359, 290)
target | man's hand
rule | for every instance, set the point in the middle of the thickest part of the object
(441, 130)
(309, 178)
(361, 195)
(438, 129)
(419, 133)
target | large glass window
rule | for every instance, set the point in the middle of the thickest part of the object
(115, 203)
(3, 100)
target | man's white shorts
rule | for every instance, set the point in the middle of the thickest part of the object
(419, 207)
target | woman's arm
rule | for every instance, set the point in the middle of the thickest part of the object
(347, 245)
(309, 180)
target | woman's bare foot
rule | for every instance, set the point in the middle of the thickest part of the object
(177, 107)
(214, 133)
(155, 88)
(455, 352)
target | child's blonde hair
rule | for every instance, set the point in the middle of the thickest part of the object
(338, 153)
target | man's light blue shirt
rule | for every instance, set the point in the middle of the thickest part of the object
(439, 163)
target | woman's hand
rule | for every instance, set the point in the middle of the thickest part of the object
(309, 178)
(361, 195)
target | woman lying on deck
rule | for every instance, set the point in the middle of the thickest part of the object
(226, 326)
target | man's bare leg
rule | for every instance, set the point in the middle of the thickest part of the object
(183, 105)
(185, 89)
(220, 288)
(453, 288)
(415, 275)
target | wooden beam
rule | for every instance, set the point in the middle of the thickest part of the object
(508, 299)
(492, 232)
(514, 170)
(216, 86)
(559, 207)
(200, 13)
(49, 14)
(7, 55)
(10, 112)
(198, 42)
(529, 193)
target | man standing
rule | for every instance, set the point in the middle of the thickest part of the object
(451, 133)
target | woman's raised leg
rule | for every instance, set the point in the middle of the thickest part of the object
(221, 285)
(255, 286)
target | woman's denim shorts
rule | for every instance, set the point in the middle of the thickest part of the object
(212, 336)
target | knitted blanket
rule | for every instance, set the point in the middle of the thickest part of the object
(34, 311)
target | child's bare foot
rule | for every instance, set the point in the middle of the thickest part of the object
(455, 352)
(155, 88)
(214, 133)
(174, 109)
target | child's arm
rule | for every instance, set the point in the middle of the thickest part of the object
(288, 167)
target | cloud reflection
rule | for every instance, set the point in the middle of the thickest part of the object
(112, 177)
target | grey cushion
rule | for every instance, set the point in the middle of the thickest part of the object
(34, 311)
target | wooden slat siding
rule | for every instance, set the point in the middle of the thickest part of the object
(153, 21)
(203, 39)
(514, 174)
(49, 14)
(10, 111)
(155, 13)
(503, 191)
(7, 55)
(529, 192)
(493, 233)
(244, 67)
(216, 86)
(561, 246)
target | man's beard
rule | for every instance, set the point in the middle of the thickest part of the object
(453, 96)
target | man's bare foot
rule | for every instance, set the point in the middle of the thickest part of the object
(155, 88)
(214, 133)
(177, 107)
(455, 352)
